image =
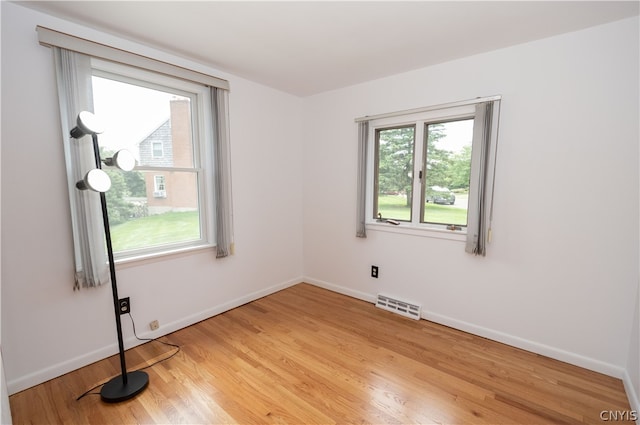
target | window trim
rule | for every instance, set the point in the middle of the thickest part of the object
(201, 122)
(438, 107)
(419, 117)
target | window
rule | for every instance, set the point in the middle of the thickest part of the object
(394, 169)
(159, 189)
(201, 164)
(161, 120)
(443, 171)
(157, 150)
(429, 169)
(446, 172)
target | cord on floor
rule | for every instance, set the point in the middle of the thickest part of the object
(133, 324)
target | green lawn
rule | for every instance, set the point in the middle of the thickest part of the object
(395, 207)
(175, 227)
(155, 230)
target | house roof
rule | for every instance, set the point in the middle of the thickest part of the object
(160, 133)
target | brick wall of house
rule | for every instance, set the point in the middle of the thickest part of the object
(180, 187)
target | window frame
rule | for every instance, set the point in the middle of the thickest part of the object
(423, 173)
(376, 150)
(202, 137)
(420, 119)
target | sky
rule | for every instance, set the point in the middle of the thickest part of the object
(457, 135)
(128, 113)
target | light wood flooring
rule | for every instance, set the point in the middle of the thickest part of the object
(305, 355)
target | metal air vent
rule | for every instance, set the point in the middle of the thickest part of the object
(400, 307)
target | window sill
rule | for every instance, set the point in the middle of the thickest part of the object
(422, 231)
(143, 259)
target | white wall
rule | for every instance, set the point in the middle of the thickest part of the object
(47, 328)
(559, 278)
(561, 274)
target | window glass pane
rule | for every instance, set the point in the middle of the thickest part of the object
(447, 171)
(152, 205)
(165, 212)
(394, 168)
(158, 151)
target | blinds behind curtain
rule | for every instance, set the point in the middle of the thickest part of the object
(361, 200)
(483, 158)
(73, 74)
(222, 172)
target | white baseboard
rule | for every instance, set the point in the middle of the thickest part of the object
(214, 311)
(532, 346)
(528, 345)
(59, 369)
(341, 290)
(632, 395)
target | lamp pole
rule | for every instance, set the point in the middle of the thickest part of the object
(126, 385)
(121, 387)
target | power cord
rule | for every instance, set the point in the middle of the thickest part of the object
(133, 323)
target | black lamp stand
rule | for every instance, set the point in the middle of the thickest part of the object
(127, 385)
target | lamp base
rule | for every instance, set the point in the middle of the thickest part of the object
(115, 390)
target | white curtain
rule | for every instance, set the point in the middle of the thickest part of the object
(73, 74)
(485, 139)
(361, 195)
(222, 172)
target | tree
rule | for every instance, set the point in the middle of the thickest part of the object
(119, 208)
(438, 160)
(395, 161)
(123, 186)
(460, 167)
(135, 183)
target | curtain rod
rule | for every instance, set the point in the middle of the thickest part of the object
(430, 108)
(48, 37)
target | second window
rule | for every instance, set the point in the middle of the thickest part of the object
(422, 170)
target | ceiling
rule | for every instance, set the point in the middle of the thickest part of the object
(305, 48)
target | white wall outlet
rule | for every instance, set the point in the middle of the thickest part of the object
(154, 325)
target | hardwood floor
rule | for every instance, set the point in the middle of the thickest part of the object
(309, 356)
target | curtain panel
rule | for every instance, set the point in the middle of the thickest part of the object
(483, 162)
(222, 172)
(361, 194)
(73, 75)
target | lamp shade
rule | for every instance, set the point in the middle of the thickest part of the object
(123, 159)
(96, 180)
(87, 123)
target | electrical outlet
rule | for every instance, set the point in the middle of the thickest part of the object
(125, 305)
(374, 271)
(154, 325)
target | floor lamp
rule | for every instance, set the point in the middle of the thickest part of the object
(128, 384)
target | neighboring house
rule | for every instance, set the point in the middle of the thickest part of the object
(170, 146)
